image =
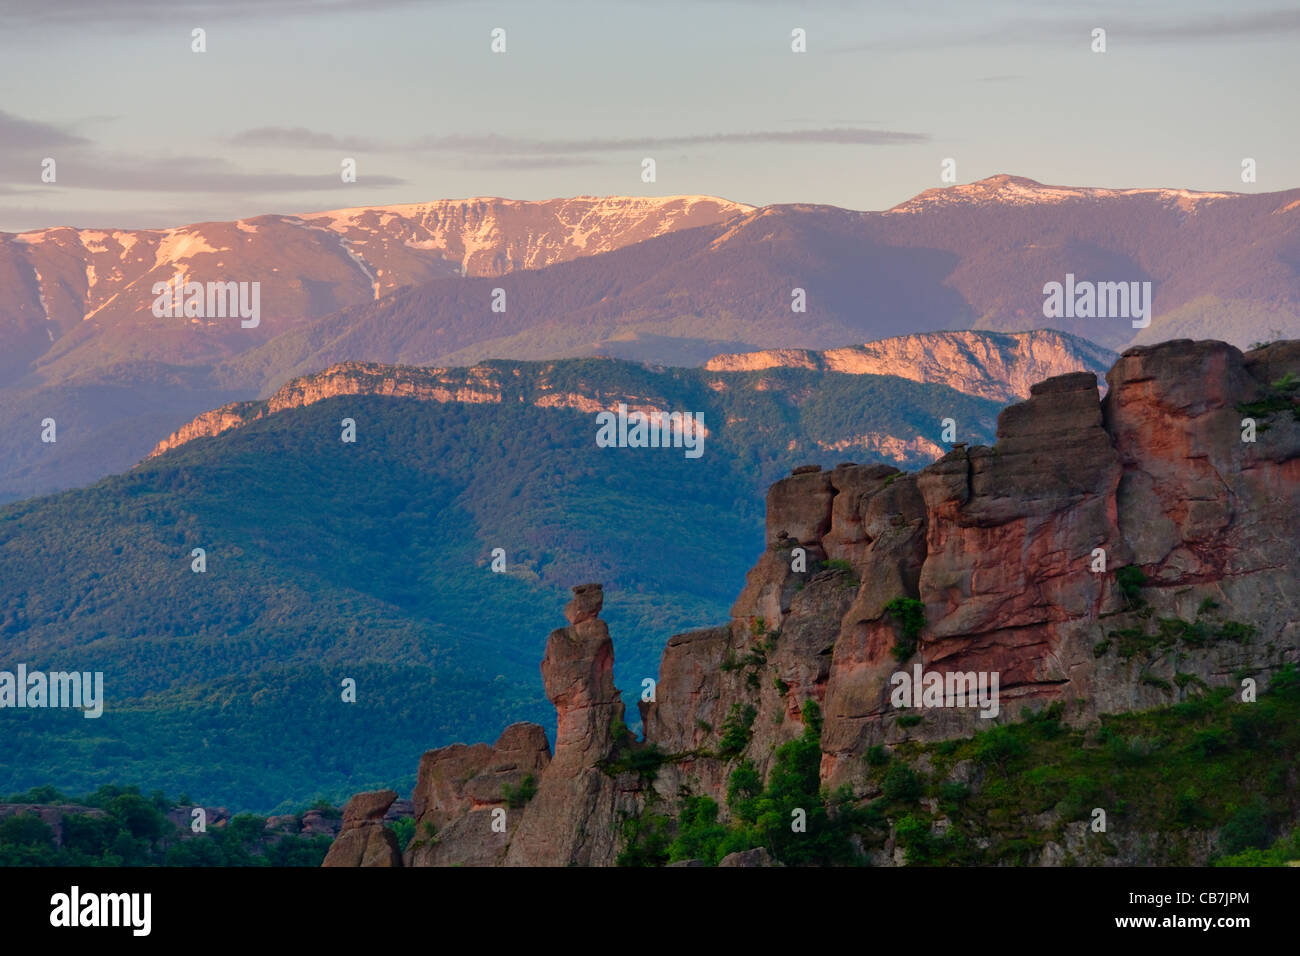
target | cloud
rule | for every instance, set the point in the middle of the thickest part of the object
(189, 174)
(496, 145)
(18, 134)
(502, 144)
(517, 162)
(1265, 24)
(1067, 27)
(297, 137)
(82, 166)
(16, 13)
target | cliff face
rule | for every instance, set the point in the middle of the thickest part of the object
(998, 551)
(471, 385)
(998, 367)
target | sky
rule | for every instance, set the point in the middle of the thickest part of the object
(146, 133)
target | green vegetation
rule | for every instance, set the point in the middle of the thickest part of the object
(133, 830)
(901, 785)
(736, 729)
(371, 561)
(404, 830)
(618, 730)
(518, 797)
(1170, 632)
(1211, 762)
(645, 840)
(644, 760)
(1282, 396)
(1283, 852)
(1131, 581)
(910, 614)
(763, 816)
(1274, 335)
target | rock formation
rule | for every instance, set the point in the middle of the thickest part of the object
(516, 804)
(364, 840)
(1010, 555)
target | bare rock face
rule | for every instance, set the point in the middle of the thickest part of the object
(316, 823)
(798, 515)
(587, 601)
(799, 507)
(364, 840)
(995, 544)
(1006, 560)
(755, 857)
(999, 367)
(459, 790)
(367, 808)
(1157, 477)
(439, 795)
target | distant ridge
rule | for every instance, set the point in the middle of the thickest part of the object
(998, 367)
(1021, 191)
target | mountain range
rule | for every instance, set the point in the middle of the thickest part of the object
(676, 280)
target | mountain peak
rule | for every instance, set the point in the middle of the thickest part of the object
(1007, 190)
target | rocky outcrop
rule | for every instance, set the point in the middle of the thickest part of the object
(573, 819)
(364, 840)
(468, 800)
(516, 804)
(1001, 562)
(757, 857)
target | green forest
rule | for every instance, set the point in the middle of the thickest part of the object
(371, 561)
(124, 827)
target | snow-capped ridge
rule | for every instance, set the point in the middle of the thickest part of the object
(1007, 190)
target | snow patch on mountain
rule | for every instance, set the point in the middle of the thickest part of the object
(1019, 191)
(181, 245)
(361, 264)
